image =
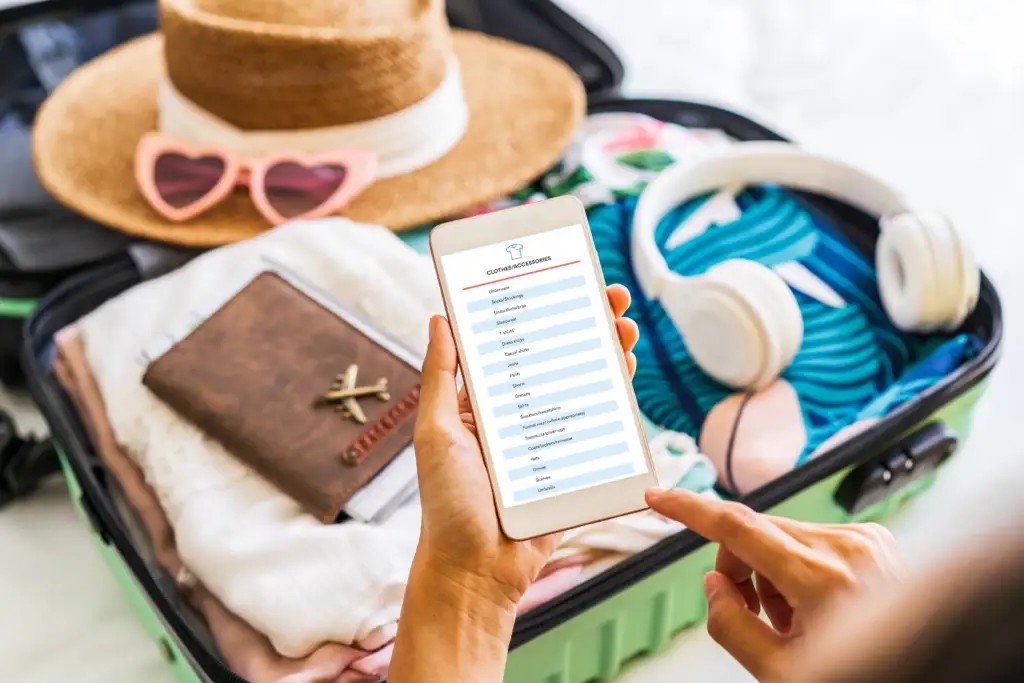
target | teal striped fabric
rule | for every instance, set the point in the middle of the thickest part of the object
(849, 355)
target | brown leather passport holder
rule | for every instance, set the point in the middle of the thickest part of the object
(253, 376)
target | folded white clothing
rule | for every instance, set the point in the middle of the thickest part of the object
(387, 491)
(294, 579)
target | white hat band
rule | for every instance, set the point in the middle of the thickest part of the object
(404, 141)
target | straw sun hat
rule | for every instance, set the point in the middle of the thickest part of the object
(455, 118)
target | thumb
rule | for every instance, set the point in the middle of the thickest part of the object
(438, 395)
(750, 641)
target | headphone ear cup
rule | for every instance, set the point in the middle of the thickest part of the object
(905, 272)
(927, 277)
(970, 275)
(740, 322)
(778, 312)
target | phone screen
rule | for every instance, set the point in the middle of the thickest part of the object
(553, 406)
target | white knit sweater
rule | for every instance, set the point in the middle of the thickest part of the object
(296, 580)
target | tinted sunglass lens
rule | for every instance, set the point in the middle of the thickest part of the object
(293, 189)
(182, 181)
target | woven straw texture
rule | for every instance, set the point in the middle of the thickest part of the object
(368, 58)
(523, 104)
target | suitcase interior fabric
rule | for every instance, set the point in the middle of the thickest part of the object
(589, 631)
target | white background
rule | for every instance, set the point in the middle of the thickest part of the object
(928, 92)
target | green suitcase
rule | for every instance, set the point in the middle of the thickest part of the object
(589, 632)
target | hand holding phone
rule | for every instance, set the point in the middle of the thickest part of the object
(460, 527)
(547, 382)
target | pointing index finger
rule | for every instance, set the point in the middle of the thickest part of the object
(751, 537)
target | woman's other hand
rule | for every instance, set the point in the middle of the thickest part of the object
(791, 570)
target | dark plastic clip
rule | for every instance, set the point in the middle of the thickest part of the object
(24, 462)
(915, 456)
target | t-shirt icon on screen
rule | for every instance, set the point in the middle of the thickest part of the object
(515, 251)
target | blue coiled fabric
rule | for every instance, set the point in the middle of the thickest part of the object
(850, 356)
(939, 363)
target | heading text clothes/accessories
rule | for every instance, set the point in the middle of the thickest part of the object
(454, 118)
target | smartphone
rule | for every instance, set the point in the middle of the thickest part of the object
(556, 416)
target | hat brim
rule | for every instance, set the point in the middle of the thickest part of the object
(523, 107)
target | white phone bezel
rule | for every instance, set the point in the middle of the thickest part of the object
(575, 508)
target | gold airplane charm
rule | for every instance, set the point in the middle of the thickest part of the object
(345, 395)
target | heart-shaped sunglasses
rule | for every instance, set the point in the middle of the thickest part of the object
(182, 182)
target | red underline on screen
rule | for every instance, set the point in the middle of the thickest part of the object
(513, 277)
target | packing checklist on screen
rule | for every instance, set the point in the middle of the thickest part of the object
(535, 340)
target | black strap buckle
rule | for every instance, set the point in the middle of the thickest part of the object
(916, 456)
(24, 462)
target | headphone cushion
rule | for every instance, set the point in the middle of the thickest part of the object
(745, 325)
(772, 300)
(927, 277)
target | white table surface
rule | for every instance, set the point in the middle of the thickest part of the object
(928, 92)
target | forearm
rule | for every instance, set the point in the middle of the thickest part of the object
(453, 628)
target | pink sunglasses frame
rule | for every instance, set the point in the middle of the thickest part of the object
(360, 168)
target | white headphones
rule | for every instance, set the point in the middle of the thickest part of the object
(739, 320)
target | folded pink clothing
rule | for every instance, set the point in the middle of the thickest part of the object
(550, 585)
(246, 651)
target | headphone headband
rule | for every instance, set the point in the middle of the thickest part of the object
(739, 320)
(749, 163)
